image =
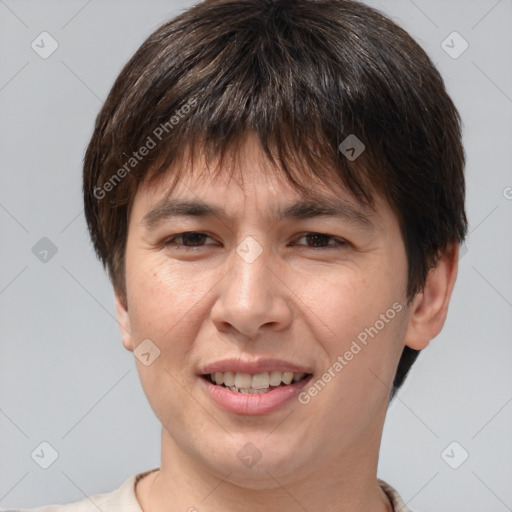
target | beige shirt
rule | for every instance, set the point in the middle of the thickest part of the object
(124, 499)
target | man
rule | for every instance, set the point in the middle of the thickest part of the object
(276, 189)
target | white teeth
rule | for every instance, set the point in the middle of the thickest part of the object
(252, 391)
(260, 381)
(275, 378)
(229, 379)
(243, 380)
(287, 378)
(253, 384)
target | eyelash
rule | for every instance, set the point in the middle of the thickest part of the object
(340, 243)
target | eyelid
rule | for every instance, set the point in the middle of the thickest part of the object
(339, 241)
(169, 240)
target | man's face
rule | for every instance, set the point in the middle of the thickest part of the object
(321, 295)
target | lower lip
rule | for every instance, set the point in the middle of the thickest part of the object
(252, 405)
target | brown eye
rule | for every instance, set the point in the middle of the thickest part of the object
(188, 239)
(321, 241)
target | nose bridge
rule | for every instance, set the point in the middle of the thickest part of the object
(251, 272)
(251, 296)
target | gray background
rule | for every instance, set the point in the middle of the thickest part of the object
(65, 377)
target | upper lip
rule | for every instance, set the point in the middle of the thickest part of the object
(258, 366)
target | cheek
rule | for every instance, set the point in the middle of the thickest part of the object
(347, 300)
(161, 306)
(162, 295)
(362, 310)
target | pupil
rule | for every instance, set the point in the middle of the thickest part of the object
(318, 239)
(199, 237)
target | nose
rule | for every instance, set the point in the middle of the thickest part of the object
(253, 298)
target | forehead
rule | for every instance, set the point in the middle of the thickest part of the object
(246, 178)
(244, 165)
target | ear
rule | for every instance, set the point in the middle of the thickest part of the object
(430, 306)
(123, 319)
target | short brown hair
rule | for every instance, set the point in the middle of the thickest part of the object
(304, 75)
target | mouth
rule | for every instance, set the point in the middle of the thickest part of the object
(257, 387)
(255, 384)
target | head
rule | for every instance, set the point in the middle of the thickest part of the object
(253, 105)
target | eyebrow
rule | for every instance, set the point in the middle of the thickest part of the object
(305, 209)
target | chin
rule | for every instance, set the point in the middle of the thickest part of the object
(256, 461)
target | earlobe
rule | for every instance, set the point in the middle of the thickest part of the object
(123, 319)
(430, 306)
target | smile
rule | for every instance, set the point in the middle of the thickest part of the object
(259, 383)
(253, 394)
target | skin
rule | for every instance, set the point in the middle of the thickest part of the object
(205, 304)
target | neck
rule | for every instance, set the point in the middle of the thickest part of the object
(346, 483)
